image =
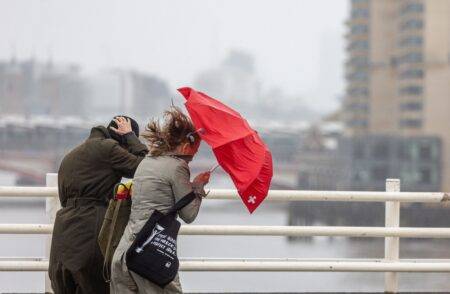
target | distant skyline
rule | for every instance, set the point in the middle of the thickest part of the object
(297, 44)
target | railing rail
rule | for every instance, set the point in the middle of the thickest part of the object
(43, 192)
(274, 195)
(293, 231)
(299, 265)
(392, 233)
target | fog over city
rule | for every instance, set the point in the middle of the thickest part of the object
(297, 46)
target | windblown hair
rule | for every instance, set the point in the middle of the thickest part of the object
(176, 129)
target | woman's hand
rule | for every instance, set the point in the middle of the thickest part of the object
(123, 125)
(202, 179)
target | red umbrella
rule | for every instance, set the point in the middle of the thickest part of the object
(237, 147)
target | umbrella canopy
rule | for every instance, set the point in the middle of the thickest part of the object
(237, 147)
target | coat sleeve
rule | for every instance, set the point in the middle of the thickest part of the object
(181, 186)
(134, 145)
(124, 162)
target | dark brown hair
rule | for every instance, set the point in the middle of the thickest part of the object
(176, 129)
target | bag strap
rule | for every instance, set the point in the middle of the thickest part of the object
(183, 202)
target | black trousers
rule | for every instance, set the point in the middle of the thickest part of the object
(84, 281)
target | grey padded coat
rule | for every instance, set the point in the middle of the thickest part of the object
(158, 183)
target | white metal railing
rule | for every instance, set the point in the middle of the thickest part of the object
(294, 231)
(246, 265)
(391, 264)
(274, 195)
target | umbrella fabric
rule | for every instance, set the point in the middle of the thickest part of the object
(237, 147)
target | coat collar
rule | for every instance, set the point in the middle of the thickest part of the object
(186, 158)
(99, 132)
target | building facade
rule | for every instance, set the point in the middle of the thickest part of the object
(398, 71)
(371, 159)
(30, 88)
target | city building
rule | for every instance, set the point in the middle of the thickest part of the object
(366, 162)
(362, 163)
(398, 71)
(30, 88)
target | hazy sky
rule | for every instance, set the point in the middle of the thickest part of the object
(297, 44)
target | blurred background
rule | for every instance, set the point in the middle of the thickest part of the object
(346, 93)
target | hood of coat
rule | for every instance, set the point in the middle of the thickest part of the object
(99, 132)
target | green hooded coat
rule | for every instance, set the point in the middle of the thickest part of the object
(86, 179)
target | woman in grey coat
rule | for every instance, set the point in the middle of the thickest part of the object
(161, 179)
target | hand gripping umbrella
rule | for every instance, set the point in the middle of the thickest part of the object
(237, 147)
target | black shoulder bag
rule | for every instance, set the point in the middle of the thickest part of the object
(153, 254)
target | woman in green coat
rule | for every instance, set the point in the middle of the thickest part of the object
(86, 179)
(161, 179)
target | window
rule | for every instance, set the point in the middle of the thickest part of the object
(411, 7)
(413, 57)
(404, 151)
(359, 29)
(411, 24)
(411, 106)
(360, 13)
(425, 152)
(411, 123)
(411, 91)
(361, 76)
(358, 107)
(359, 45)
(380, 150)
(359, 61)
(357, 123)
(411, 74)
(358, 92)
(411, 41)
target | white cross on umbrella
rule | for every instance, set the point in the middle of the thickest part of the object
(251, 199)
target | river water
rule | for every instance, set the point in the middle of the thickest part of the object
(227, 212)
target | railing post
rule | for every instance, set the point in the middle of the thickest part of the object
(392, 244)
(51, 207)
